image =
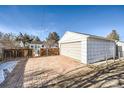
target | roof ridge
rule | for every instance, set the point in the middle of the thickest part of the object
(90, 35)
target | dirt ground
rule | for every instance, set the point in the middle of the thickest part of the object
(39, 72)
(64, 72)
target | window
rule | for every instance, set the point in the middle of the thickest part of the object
(42, 45)
(35, 46)
(38, 46)
(31, 46)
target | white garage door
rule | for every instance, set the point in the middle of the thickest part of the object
(72, 49)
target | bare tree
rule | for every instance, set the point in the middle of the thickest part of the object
(52, 39)
(9, 40)
(113, 35)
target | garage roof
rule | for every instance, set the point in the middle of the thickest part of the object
(79, 36)
(93, 36)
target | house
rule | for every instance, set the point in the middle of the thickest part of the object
(21, 44)
(36, 46)
(86, 48)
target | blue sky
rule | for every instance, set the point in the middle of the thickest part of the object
(40, 20)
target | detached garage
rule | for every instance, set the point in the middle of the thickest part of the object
(86, 48)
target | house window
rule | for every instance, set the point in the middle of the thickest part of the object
(35, 46)
(42, 45)
(38, 46)
(31, 46)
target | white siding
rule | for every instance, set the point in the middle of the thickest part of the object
(121, 44)
(120, 48)
(72, 37)
(98, 49)
(35, 47)
(71, 49)
(84, 51)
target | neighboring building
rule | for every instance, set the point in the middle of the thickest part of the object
(120, 48)
(86, 48)
(21, 44)
(36, 46)
(55, 46)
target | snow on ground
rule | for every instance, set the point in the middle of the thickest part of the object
(6, 68)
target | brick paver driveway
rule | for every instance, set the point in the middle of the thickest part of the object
(38, 72)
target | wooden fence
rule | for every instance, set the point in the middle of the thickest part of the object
(49, 51)
(15, 53)
(8, 54)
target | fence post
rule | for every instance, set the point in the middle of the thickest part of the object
(114, 56)
(10, 55)
(119, 55)
(47, 51)
(123, 55)
(106, 59)
(5, 56)
(2, 55)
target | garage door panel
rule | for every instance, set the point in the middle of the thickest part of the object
(71, 50)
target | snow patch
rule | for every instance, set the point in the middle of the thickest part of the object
(6, 68)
